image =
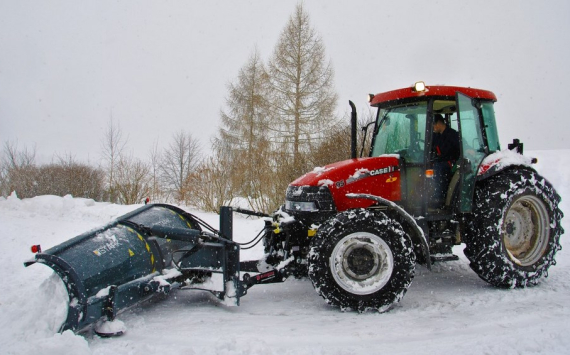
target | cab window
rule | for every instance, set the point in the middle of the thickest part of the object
(448, 109)
(401, 130)
(490, 126)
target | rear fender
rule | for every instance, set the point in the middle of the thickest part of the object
(499, 161)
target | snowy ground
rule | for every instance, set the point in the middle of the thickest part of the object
(448, 310)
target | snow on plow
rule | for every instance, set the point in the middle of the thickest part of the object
(138, 256)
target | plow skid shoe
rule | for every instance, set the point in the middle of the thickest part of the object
(134, 258)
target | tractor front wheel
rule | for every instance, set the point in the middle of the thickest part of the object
(361, 260)
(514, 231)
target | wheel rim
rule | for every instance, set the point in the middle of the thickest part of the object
(362, 263)
(526, 230)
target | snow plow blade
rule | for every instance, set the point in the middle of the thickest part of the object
(140, 255)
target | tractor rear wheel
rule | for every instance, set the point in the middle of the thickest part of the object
(361, 260)
(514, 231)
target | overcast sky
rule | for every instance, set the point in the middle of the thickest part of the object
(158, 67)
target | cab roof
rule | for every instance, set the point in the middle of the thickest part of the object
(436, 90)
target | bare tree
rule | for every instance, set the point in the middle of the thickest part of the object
(156, 193)
(68, 176)
(19, 170)
(213, 183)
(132, 180)
(336, 146)
(113, 146)
(270, 182)
(3, 178)
(18, 158)
(180, 160)
(62, 177)
(304, 99)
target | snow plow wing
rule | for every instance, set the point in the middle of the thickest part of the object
(140, 255)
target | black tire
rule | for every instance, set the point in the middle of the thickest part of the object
(361, 260)
(514, 232)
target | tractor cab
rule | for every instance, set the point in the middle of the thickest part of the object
(404, 126)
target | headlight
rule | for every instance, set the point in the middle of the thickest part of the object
(420, 86)
(301, 206)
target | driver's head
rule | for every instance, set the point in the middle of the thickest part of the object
(438, 123)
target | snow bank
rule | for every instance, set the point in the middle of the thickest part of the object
(35, 301)
(446, 311)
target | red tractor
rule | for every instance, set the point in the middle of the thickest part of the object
(358, 227)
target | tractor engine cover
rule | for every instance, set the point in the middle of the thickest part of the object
(378, 176)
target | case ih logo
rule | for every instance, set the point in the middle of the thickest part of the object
(387, 170)
(364, 173)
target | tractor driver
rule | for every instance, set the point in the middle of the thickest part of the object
(445, 152)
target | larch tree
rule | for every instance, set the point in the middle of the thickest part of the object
(304, 99)
(243, 136)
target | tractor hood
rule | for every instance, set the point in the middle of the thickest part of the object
(379, 176)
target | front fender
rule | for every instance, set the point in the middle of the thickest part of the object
(416, 233)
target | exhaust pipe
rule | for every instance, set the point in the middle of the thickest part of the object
(353, 123)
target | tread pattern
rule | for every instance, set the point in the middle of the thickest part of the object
(377, 223)
(484, 243)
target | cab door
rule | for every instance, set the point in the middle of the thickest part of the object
(402, 130)
(473, 149)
